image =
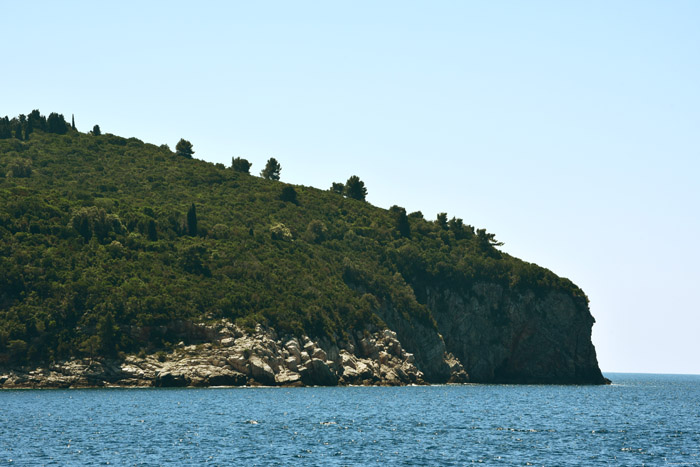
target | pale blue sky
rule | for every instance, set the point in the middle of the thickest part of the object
(569, 129)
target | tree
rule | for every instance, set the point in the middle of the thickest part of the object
(192, 220)
(338, 187)
(107, 335)
(184, 148)
(56, 123)
(289, 194)
(355, 188)
(151, 229)
(96, 130)
(16, 128)
(487, 240)
(400, 220)
(23, 127)
(5, 128)
(72, 121)
(36, 121)
(272, 169)
(240, 165)
(441, 220)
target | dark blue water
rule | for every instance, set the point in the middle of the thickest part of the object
(640, 419)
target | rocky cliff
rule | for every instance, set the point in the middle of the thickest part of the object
(502, 336)
(484, 334)
(234, 357)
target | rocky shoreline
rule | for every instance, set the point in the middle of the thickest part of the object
(234, 357)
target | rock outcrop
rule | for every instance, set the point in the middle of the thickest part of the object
(236, 358)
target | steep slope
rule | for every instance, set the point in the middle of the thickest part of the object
(106, 242)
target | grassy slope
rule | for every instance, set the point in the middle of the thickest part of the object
(63, 294)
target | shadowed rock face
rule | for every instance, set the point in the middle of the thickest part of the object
(504, 337)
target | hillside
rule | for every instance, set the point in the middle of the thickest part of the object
(113, 247)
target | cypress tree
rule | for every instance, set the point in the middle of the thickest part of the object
(96, 130)
(5, 128)
(192, 221)
(72, 121)
(152, 232)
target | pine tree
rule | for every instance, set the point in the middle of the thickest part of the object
(338, 187)
(355, 188)
(272, 169)
(240, 165)
(96, 130)
(184, 148)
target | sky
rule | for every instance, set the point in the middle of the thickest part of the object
(571, 130)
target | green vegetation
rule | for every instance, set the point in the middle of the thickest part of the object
(105, 242)
(272, 170)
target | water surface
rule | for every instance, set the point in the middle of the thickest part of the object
(640, 419)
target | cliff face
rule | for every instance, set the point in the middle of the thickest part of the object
(504, 337)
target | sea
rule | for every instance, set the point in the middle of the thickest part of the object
(640, 419)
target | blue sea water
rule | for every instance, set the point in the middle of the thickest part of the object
(638, 420)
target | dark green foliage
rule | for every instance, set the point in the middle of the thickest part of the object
(400, 220)
(486, 239)
(95, 256)
(93, 221)
(20, 168)
(355, 188)
(316, 231)
(338, 187)
(272, 169)
(16, 128)
(36, 121)
(107, 335)
(289, 194)
(194, 260)
(56, 123)
(441, 220)
(96, 130)
(460, 231)
(72, 122)
(240, 165)
(192, 220)
(152, 231)
(184, 148)
(5, 128)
